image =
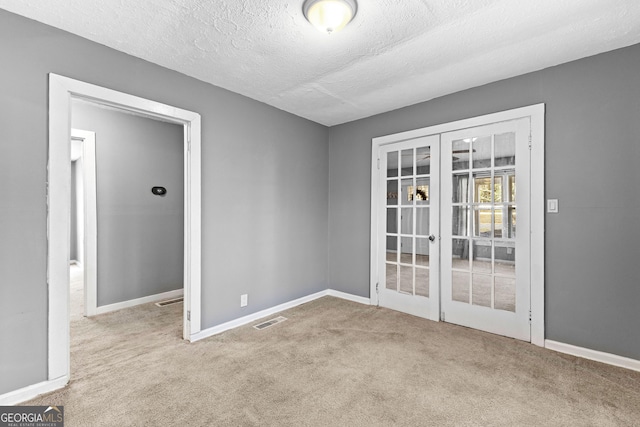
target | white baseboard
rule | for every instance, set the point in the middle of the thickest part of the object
(598, 356)
(206, 333)
(144, 300)
(269, 311)
(32, 391)
(349, 297)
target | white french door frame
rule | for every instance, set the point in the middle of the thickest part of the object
(61, 92)
(535, 113)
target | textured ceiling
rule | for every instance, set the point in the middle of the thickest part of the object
(395, 52)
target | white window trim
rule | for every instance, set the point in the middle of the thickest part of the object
(536, 115)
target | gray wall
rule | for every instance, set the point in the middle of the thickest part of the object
(77, 193)
(592, 157)
(264, 196)
(73, 229)
(140, 235)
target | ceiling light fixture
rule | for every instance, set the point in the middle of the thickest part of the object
(329, 16)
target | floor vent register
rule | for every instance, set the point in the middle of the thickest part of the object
(268, 323)
(169, 302)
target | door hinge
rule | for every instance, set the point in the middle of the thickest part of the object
(529, 316)
(529, 141)
(377, 288)
(189, 315)
(378, 163)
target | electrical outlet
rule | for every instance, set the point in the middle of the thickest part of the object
(244, 300)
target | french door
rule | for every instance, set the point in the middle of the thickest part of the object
(485, 228)
(410, 205)
(454, 234)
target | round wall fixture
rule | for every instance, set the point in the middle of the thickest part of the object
(159, 191)
(329, 16)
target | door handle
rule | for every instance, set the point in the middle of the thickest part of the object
(432, 238)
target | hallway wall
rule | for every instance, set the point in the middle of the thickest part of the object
(140, 235)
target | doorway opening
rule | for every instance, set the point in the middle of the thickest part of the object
(62, 91)
(140, 246)
(83, 232)
(444, 241)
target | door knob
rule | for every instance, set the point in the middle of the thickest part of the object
(432, 238)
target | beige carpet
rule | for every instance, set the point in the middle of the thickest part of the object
(76, 292)
(332, 363)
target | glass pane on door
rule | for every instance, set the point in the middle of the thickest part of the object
(392, 192)
(408, 225)
(407, 162)
(460, 286)
(505, 276)
(423, 160)
(392, 276)
(392, 248)
(406, 279)
(505, 293)
(505, 149)
(392, 220)
(422, 282)
(392, 164)
(460, 154)
(483, 189)
(422, 252)
(422, 221)
(481, 152)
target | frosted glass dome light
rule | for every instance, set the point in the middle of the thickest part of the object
(329, 16)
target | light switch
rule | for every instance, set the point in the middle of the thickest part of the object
(552, 206)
